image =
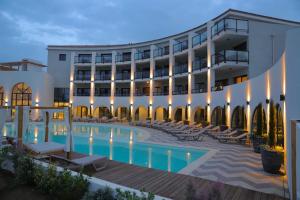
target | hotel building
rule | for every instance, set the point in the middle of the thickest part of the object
(218, 72)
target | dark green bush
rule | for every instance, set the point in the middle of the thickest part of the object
(127, 195)
(101, 194)
(24, 170)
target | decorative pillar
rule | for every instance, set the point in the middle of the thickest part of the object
(72, 68)
(190, 76)
(92, 90)
(152, 66)
(171, 81)
(112, 86)
(132, 84)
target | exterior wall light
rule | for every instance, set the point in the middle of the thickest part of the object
(170, 76)
(150, 104)
(208, 104)
(248, 102)
(170, 104)
(228, 103)
(267, 101)
(282, 97)
(189, 104)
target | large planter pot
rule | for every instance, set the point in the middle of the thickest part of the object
(256, 143)
(271, 160)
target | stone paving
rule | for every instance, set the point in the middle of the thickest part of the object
(232, 164)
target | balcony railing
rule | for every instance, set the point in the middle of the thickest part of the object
(122, 93)
(161, 72)
(141, 93)
(122, 76)
(161, 52)
(160, 93)
(142, 75)
(83, 59)
(199, 90)
(123, 58)
(102, 93)
(199, 64)
(181, 46)
(80, 77)
(230, 56)
(102, 77)
(142, 55)
(180, 69)
(104, 59)
(82, 93)
(199, 39)
(237, 25)
(179, 92)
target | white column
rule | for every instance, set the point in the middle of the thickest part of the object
(171, 81)
(191, 56)
(93, 69)
(112, 86)
(72, 68)
(132, 83)
(152, 66)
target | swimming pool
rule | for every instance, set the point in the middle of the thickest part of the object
(119, 143)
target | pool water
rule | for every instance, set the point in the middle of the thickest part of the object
(119, 143)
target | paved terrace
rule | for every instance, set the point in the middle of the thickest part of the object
(233, 164)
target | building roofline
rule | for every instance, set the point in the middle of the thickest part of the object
(23, 61)
(224, 14)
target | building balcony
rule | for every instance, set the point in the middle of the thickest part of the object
(199, 64)
(142, 55)
(122, 94)
(199, 90)
(217, 88)
(141, 93)
(123, 58)
(230, 56)
(179, 92)
(180, 46)
(83, 59)
(161, 73)
(159, 52)
(82, 92)
(122, 76)
(161, 93)
(103, 77)
(180, 69)
(104, 59)
(142, 75)
(199, 39)
(102, 92)
(80, 77)
(230, 24)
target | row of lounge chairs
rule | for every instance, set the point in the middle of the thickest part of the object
(196, 132)
(97, 120)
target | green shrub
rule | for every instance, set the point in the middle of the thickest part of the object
(24, 170)
(272, 126)
(127, 195)
(101, 194)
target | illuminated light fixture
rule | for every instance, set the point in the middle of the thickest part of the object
(208, 104)
(170, 104)
(208, 67)
(111, 104)
(170, 76)
(248, 102)
(6, 103)
(189, 104)
(282, 97)
(150, 104)
(267, 101)
(151, 79)
(228, 103)
(189, 72)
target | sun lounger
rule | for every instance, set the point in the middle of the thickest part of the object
(235, 139)
(85, 161)
(227, 134)
(197, 136)
(45, 147)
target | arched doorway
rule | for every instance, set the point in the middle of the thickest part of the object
(1, 96)
(141, 114)
(218, 116)
(101, 111)
(81, 111)
(238, 119)
(179, 114)
(21, 95)
(199, 115)
(259, 121)
(279, 127)
(160, 114)
(122, 112)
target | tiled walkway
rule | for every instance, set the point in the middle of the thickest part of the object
(232, 164)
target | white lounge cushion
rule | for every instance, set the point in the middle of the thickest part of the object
(87, 160)
(45, 147)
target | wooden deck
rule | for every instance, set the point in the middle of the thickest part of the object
(171, 185)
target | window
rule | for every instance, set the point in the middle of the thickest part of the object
(61, 95)
(62, 57)
(240, 79)
(21, 95)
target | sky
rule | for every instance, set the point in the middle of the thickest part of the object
(28, 26)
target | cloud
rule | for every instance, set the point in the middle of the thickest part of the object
(45, 33)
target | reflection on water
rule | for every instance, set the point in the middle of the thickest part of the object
(115, 142)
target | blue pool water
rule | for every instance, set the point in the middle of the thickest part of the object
(120, 143)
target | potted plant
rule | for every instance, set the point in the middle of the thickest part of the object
(258, 139)
(272, 158)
